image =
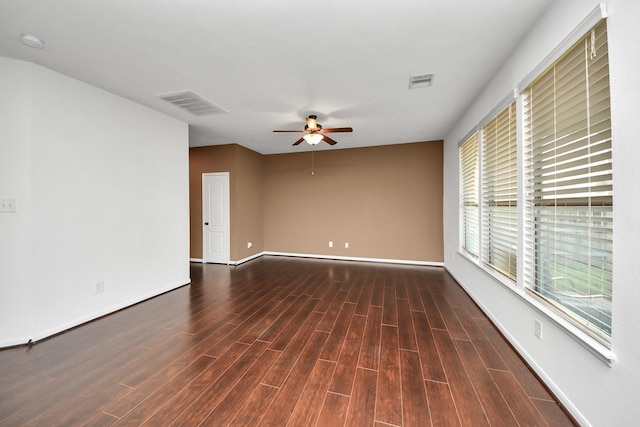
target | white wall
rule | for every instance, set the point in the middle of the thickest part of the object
(108, 183)
(595, 393)
(16, 298)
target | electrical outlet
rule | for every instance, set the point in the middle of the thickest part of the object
(249, 245)
(7, 205)
(346, 245)
(537, 329)
(99, 287)
(330, 243)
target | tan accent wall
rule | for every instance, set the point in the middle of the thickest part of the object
(245, 173)
(386, 202)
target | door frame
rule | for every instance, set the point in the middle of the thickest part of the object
(227, 232)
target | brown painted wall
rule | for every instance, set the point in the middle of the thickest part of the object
(247, 216)
(245, 171)
(386, 202)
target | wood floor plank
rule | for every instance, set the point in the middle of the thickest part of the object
(284, 337)
(255, 406)
(413, 295)
(328, 297)
(363, 401)
(389, 310)
(221, 346)
(354, 293)
(415, 407)
(334, 411)
(269, 319)
(280, 370)
(553, 413)
(307, 410)
(144, 403)
(406, 334)
(388, 396)
(485, 349)
(183, 398)
(441, 406)
(431, 310)
(401, 287)
(377, 296)
(285, 401)
(83, 412)
(362, 308)
(529, 382)
(370, 352)
(345, 371)
(495, 407)
(521, 406)
(204, 404)
(464, 395)
(337, 335)
(281, 322)
(102, 419)
(454, 326)
(233, 401)
(432, 368)
(330, 316)
(48, 401)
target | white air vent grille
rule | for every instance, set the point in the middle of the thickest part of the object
(192, 102)
(420, 80)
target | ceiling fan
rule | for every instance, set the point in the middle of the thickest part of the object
(313, 132)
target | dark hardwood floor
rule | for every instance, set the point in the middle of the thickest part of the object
(282, 341)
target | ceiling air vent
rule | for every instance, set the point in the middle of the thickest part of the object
(420, 80)
(192, 102)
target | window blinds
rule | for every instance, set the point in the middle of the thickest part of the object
(569, 221)
(469, 196)
(500, 193)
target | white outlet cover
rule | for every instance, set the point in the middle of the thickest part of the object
(7, 205)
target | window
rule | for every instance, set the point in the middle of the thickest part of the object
(568, 177)
(500, 193)
(469, 194)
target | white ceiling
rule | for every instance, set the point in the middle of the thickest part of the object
(271, 63)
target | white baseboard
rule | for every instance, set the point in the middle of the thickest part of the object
(200, 260)
(249, 258)
(363, 259)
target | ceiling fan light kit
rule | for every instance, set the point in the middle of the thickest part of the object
(313, 132)
(313, 138)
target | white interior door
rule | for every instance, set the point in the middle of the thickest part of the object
(215, 218)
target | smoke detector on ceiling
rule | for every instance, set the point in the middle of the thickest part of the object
(31, 40)
(192, 102)
(420, 80)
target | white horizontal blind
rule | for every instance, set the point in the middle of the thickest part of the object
(569, 222)
(500, 193)
(469, 194)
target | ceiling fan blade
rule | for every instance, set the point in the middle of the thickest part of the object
(329, 140)
(298, 141)
(288, 131)
(337, 130)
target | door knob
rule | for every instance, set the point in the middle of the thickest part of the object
(206, 223)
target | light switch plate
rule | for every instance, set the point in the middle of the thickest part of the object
(7, 205)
